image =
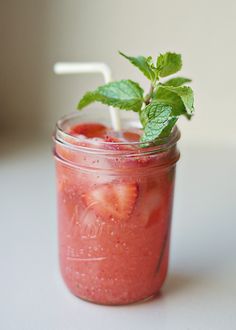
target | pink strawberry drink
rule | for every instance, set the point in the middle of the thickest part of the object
(114, 211)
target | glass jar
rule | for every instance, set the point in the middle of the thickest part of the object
(114, 214)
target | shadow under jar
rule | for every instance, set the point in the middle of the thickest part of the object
(114, 214)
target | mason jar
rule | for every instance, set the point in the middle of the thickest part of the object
(114, 213)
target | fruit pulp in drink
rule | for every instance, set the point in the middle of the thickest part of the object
(114, 214)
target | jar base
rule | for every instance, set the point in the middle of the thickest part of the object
(134, 302)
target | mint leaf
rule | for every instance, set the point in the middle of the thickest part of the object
(155, 118)
(88, 98)
(168, 63)
(167, 130)
(176, 82)
(164, 96)
(123, 94)
(143, 64)
(186, 95)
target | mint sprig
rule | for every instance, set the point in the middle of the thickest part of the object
(161, 107)
(123, 94)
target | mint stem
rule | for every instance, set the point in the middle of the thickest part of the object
(149, 95)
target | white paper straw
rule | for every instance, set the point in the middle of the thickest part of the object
(90, 67)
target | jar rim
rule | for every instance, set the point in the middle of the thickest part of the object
(75, 143)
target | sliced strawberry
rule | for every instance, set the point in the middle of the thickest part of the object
(112, 201)
(131, 136)
(90, 130)
(164, 209)
(148, 202)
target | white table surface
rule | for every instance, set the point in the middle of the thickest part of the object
(200, 292)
